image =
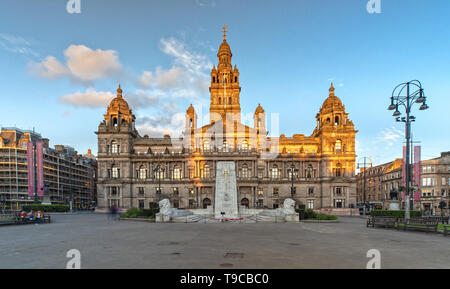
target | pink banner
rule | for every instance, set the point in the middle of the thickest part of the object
(40, 168)
(417, 173)
(404, 171)
(30, 161)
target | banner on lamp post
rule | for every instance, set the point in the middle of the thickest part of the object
(40, 168)
(404, 171)
(417, 173)
(30, 164)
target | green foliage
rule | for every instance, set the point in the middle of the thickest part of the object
(309, 214)
(301, 213)
(320, 216)
(395, 214)
(141, 213)
(56, 208)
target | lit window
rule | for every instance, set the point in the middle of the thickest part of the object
(114, 147)
(311, 204)
(275, 173)
(338, 146)
(176, 173)
(244, 172)
(142, 173)
(114, 172)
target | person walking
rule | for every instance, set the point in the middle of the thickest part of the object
(38, 217)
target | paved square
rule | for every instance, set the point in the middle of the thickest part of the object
(129, 244)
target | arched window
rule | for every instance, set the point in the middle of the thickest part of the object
(176, 173)
(220, 100)
(244, 171)
(229, 100)
(114, 147)
(235, 79)
(338, 146)
(274, 172)
(336, 121)
(142, 173)
(114, 121)
(206, 203)
(245, 202)
(214, 79)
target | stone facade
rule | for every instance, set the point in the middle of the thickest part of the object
(135, 171)
(381, 179)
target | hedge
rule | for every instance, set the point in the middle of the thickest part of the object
(309, 214)
(57, 208)
(141, 213)
(395, 214)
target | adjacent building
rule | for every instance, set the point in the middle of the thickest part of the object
(382, 179)
(317, 170)
(67, 175)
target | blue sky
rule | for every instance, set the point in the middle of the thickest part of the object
(58, 70)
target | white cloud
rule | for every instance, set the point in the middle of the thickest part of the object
(90, 98)
(188, 77)
(16, 44)
(146, 80)
(49, 68)
(82, 64)
(391, 136)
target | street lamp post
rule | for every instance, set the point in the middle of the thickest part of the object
(158, 169)
(399, 98)
(292, 179)
(364, 164)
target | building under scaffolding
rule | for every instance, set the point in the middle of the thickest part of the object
(68, 176)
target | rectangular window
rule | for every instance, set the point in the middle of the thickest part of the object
(275, 191)
(310, 204)
(310, 191)
(175, 192)
(141, 192)
(141, 204)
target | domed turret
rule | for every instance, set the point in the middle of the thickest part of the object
(332, 101)
(118, 110)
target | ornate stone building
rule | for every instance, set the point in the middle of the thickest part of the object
(135, 171)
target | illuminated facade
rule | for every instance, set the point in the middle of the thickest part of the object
(135, 171)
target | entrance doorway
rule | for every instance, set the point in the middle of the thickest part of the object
(206, 203)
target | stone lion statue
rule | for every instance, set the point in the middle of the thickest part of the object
(288, 207)
(166, 210)
(164, 207)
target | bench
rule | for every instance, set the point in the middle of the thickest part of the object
(446, 230)
(419, 224)
(387, 222)
(438, 219)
